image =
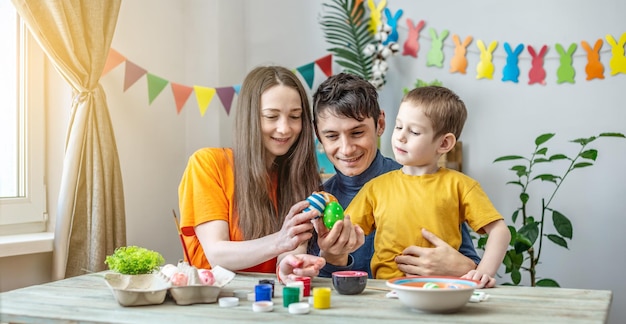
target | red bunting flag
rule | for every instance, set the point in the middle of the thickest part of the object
(181, 94)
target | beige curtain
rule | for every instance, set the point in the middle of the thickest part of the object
(76, 36)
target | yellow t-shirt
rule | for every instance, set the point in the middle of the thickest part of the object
(206, 193)
(398, 206)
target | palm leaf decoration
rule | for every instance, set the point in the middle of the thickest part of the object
(345, 27)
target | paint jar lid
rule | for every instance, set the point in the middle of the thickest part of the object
(299, 308)
(228, 301)
(263, 306)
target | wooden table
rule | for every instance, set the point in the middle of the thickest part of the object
(87, 299)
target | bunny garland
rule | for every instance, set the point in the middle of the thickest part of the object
(435, 55)
(392, 21)
(537, 73)
(411, 45)
(594, 68)
(485, 67)
(511, 70)
(618, 60)
(459, 61)
(565, 72)
(375, 15)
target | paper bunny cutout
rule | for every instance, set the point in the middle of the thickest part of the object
(411, 45)
(375, 15)
(458, 63)
(511, 70)
(435, 55)
(594, 67)
(565, 72)
(618, 60)
(485, 68)
(537, 73)
(392, 21)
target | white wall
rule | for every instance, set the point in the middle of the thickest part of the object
(213, 43)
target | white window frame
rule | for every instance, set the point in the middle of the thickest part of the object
(28, 212)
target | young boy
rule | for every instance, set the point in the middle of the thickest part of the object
(422, 195)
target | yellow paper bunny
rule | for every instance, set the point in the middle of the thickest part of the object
(375, 15)
(485, 67)
(618, 60)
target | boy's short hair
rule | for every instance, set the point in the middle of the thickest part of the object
(442, 106)
(347, 95)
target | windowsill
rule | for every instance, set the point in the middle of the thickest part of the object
(12, 245)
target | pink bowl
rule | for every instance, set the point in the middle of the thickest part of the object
(349, 282)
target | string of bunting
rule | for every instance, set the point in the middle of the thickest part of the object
(204, 95)
(485, 68)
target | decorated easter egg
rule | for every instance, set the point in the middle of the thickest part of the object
(332, 213)
(317, 202)
(431, 285)
(206, 276)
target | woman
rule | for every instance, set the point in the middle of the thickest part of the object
(241, 207)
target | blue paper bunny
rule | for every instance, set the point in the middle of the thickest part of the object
(393, 23)
(511, 70)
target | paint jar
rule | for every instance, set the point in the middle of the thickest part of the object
(263, 292)
(290, 295)
(269, 282)
(321, 297)
(306, 292)
(299, 285)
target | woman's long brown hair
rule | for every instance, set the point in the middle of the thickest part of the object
(296, 170)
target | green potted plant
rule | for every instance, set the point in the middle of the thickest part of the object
(528, 232)
(134, 260)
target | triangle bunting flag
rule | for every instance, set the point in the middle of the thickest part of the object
(226, 97)
(181, 94)
(113, 59)
(204, 95)
(155, 86)
(132, 74)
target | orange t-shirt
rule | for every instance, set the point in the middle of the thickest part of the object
(206, 193)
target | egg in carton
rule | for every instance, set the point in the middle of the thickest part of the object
(195, 286)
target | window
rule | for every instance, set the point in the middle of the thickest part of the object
(22, 158)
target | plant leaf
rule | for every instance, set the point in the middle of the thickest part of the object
(562, 224)
(581, 165)
(589, 154)
(543, 138)
(509, 157)
(530, 231)
(541, 160)
(514, 216)
(557, 240)
(516, 276)
(612, 135)
(559, 157)
(547, 177)
(522, 244)
(547, 283)
(542, 151)
(343, 24)
(524, 197)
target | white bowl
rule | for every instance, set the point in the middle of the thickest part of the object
(450, 295)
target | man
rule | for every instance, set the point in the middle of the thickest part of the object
(348, 122)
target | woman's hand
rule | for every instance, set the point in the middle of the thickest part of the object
(296, 228)
(337, 243)
(442, 260)
(299, 265)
